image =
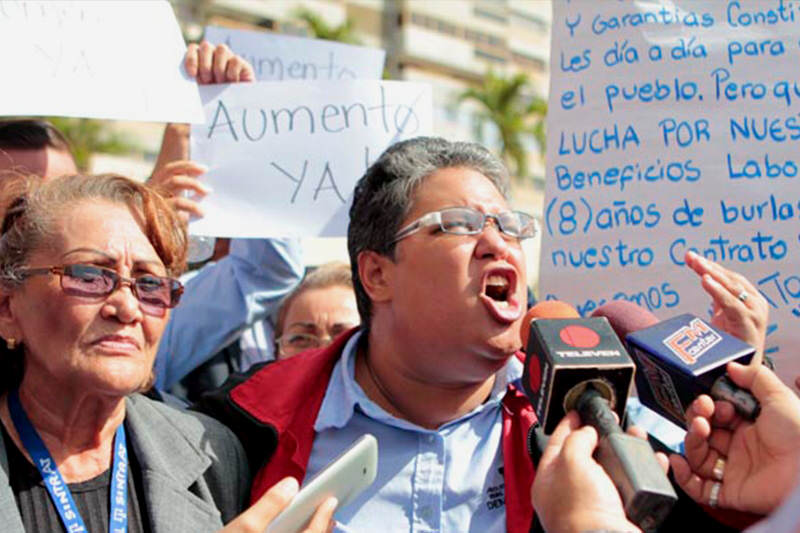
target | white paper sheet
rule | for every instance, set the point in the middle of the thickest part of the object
(284, 158)
(277, 57)
(672, 126)
(109, 60)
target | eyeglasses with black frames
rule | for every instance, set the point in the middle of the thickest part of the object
(469, 221)
(155, 293)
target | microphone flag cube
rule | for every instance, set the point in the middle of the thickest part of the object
(679, 359)
(565, 356)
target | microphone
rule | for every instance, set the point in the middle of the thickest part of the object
(579, 363)
(545, 309)
(679, 359)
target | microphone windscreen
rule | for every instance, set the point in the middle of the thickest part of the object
(625, 317)
(545, 309)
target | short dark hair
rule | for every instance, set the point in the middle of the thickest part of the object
(382, 197)
(31, 134)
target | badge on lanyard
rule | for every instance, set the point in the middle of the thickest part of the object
(57, 488)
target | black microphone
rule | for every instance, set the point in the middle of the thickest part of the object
(679, 359)
(579, 363)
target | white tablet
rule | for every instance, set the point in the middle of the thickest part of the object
(345, 478)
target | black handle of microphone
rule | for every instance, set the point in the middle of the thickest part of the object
(537, 442)
(595, 411)
(743, 401)
(646, 492)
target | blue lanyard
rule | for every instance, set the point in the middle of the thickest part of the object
(59, 492)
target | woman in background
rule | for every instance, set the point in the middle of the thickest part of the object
(318, 310)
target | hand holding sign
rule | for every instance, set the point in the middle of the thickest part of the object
(216, 64)
(277, 57)
(174, 174)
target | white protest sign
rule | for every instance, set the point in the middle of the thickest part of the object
(109, 60)
(675, 126)
(284, 157)
(277, 57)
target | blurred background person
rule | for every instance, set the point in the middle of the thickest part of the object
(318, 310)
(34, 146)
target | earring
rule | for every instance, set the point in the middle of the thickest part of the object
(11, 343)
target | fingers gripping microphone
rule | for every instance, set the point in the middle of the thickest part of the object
(679, 359)
(579, 363)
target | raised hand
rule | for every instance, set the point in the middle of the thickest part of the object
(738, 307)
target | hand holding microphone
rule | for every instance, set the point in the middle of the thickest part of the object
(737, 464)
(579, 364)
(571, 491)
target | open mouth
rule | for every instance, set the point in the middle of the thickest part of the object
(499, 289)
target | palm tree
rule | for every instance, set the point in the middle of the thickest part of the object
(322, 30)
(506, 103)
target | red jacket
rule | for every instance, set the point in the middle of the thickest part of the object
(273, 412)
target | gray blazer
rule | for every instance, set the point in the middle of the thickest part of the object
(194, 470)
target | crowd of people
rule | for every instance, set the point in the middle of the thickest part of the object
(416, 341)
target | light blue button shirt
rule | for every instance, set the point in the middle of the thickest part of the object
(658, 426)
(448, 480)
(224, 299)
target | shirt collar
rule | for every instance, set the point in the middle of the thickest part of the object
(344, 395)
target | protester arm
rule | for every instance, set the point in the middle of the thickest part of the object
(174, 173)
(223, 299)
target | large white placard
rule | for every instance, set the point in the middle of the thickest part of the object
(284, 158)
(109, 60)
(675, 126)
(277, 57)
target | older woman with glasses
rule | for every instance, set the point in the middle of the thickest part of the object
(86, 286)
